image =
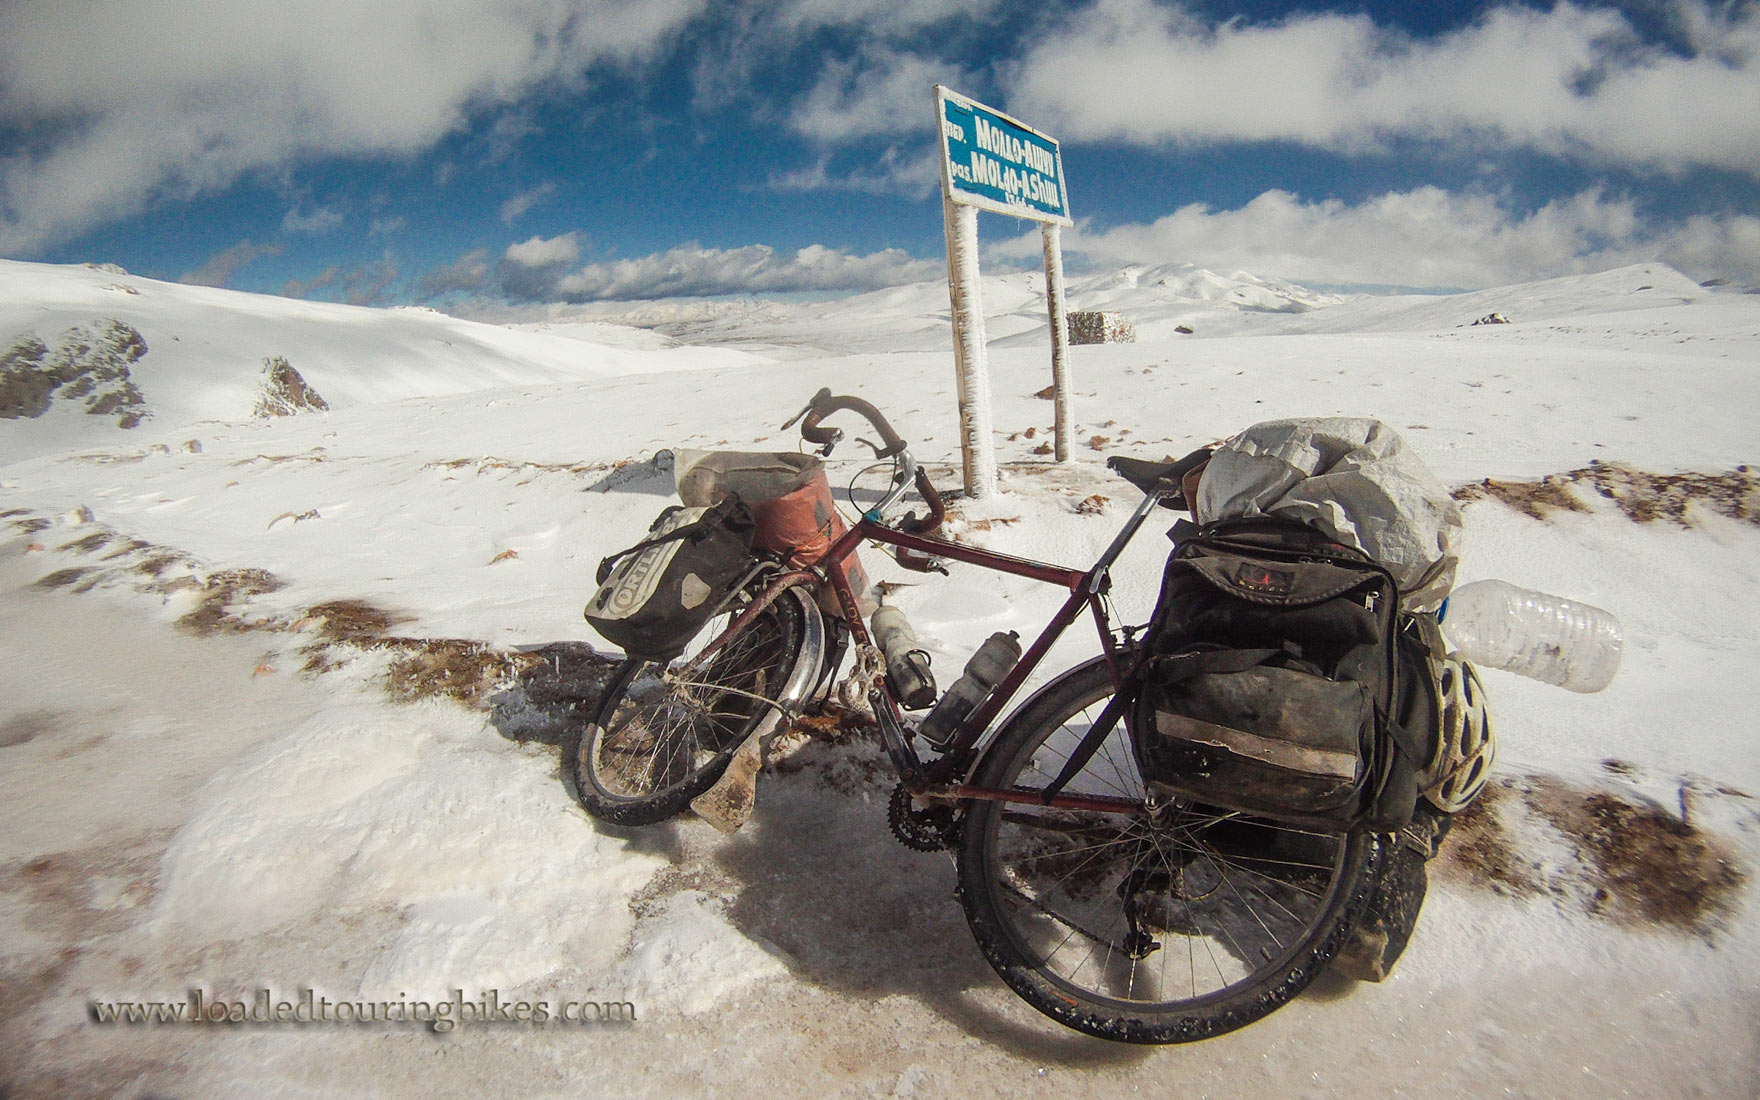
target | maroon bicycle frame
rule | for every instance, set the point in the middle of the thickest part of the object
(1086, 588)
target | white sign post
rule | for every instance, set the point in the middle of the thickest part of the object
(990, 161)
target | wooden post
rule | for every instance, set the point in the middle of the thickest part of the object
(1051, 234)
(977, 440)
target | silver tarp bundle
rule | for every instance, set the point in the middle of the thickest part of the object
(1351, 477)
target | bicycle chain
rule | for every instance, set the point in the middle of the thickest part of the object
(935, 829)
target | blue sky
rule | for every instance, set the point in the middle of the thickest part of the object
(473, 152)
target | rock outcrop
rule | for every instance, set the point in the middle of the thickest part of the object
(89, 364)
(285, 392)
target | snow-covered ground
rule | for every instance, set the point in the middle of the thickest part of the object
(185, 804)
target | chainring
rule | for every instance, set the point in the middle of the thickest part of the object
(935, 829)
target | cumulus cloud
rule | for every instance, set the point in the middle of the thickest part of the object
(530, 268)
(517, 206)
(365, 284)
(692, 271)
(881, 92)
(223, 265)
(915, 174)
(314, 223)
(1570, 81)
(130, 99)
(469, 272)
(877, 18)
(1426, 237)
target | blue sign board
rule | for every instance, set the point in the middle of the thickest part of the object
(993, 162)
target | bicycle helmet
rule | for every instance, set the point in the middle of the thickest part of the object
(1465, 741)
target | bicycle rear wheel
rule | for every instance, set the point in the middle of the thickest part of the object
(665, 732)
(1164, 925)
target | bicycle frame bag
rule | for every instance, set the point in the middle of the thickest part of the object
(1269, 678)
(656, 595)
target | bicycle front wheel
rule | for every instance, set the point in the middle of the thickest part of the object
(1164, 924)
(666, 732)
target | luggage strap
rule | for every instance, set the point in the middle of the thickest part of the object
(1182, 667)
(685, 532)
(1185, 666)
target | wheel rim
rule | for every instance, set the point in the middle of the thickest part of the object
(673, 721)
(1171, 909)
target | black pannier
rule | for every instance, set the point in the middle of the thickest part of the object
(656, 595)
(1269, 679)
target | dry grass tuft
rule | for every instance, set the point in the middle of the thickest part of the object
(1643, 496)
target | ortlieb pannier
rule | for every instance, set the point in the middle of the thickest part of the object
(656, 595)
(1270, 677)
(790, 500)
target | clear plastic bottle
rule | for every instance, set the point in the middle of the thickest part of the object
(1548, 638)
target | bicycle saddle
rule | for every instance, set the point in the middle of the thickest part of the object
(1151, 476)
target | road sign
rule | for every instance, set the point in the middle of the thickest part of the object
(996, 163)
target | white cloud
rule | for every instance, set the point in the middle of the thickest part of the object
(542, 252)
(132, 99)
(314, 223)
(691, 271)
(1570, 81)
(220, 267)
(364, 284)
(882, 92)
(517, 206)
(530, 268)
(914, 173)
(469, 272)
(877, 18)
(1426, 237)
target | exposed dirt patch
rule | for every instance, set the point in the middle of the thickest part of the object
(215, 613)
(557, 688)
(355, 622)
(89, 545)
(491, 464)
(23, 728)
(1481, 847)
(463, 670)
(1644, 497)
(1597, 851)
(61, 578)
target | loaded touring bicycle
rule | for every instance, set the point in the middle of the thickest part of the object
(1161, 844)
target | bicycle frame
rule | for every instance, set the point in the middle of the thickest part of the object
(1087, 588)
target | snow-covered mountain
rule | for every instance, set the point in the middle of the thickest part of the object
(198, 353)
(279, 695)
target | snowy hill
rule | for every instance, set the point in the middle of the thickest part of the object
(203, 350)
(914, 317)
(280, 697)
(1621, 290)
